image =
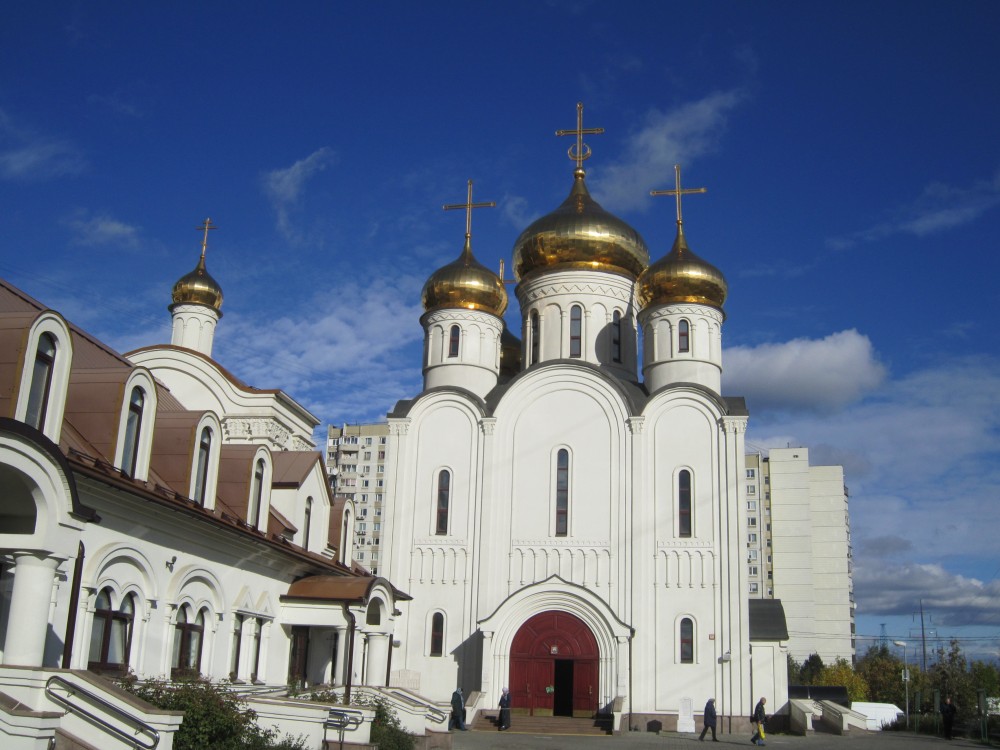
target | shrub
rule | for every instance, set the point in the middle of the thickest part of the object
(387, 732)
(214, 716)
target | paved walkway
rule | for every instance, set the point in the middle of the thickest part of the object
(673, 741)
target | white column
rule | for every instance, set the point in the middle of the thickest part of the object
(340, 668)
(34, 574)
(378, 659)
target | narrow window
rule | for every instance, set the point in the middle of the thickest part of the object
(536, 335)
(308, 523)
(453, 340)
(444, 490)
(130, 453)
(616, 337)
(575, 330)
(234, 665)
(687, 641)
(201, 471)
(437, 634)
(684, 503)
(256, 494)
(562, 492)
(41, 381)
(187, 642)
(684, 336)
(258, 632)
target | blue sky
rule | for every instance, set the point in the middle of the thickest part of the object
(849, 149)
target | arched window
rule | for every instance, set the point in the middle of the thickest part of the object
(683, 336)
(133, 423)
(234, 665)
(684, 503)
(345, 537)
(256, 494)
(562, 492)
(437, 634)
(616, 337)
(201, 470)
(453, 339)
(111, 635)
(687, 641)
(308, 523)
(443, 496)
(188, 636)
(41, 381)
(536, 335)
(575, 330)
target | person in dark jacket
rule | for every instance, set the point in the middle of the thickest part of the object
(948, 711)
(709, 720)
(504, 721)
(457, 710)
(758, 719)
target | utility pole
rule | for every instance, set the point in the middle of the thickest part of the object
(923, 639)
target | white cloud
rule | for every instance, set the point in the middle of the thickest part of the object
(284, 186)
(99, 230)
(937, 208)
(956, 600)
(28, 156)
(804, 374)
(664, 139)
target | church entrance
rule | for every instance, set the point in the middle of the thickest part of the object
(553, 667)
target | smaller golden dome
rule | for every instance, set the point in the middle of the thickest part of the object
(465, 283)
(510, 353)
(580, 234)
(681, 276)
(198, 288)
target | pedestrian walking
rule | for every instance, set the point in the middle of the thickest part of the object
(710, 718)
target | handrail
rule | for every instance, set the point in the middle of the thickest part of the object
(140, 726)
(402, 695)
(339, 719)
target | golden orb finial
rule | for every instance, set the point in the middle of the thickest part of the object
(198, 287)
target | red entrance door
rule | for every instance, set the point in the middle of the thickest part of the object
(553, 666)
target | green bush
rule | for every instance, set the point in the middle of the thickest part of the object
(214, 716)
(387, 732)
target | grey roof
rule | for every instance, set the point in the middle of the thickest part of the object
(767, 620)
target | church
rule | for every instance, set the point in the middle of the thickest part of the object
(569, 515)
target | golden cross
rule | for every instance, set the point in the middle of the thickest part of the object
(468, 206)
(206, 225)
(580, 152)
(678, 191)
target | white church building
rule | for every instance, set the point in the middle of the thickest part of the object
(570, 520)
(162, 518)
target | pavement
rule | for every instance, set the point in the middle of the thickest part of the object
(855, 740)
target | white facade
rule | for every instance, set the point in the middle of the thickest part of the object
(573, 533)
(811, 545)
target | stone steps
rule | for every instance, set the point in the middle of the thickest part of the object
(520, 724)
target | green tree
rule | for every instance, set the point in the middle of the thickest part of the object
(794, 670)
(842, 673)
(986, 677)
(812, 668)
(951, 676)
(883, 674)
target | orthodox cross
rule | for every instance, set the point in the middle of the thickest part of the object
(205, 226)
(580, 151)
(468, 206)
(678, 191)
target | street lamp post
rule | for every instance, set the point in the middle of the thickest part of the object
(906, 680)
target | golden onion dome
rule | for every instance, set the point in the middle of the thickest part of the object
(198, 288)
(510, 353)
(465, 283)
(580, 235)
(681, 276)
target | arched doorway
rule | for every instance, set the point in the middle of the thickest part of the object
(553, 666)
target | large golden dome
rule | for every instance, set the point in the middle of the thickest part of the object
(681, 276)
(465, 283)
(580, 235)
(198, 288)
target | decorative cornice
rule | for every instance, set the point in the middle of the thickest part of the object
(472, 316)
(733, 425)
(666, 311)
(541, 544)
(692, 544)
(268, 429)
(622, 293)
(399, 426)
(488, 425)
(439, 541)
(636, 425)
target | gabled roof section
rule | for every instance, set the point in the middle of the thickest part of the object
(291, 468)
(356, 589)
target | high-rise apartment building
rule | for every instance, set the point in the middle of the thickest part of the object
(355, 463)
(799, 549)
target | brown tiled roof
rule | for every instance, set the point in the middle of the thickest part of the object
(278, 524)
(290, 468)
(235, 474)
(13, 339)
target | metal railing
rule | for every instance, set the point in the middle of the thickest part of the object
(140, 727)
